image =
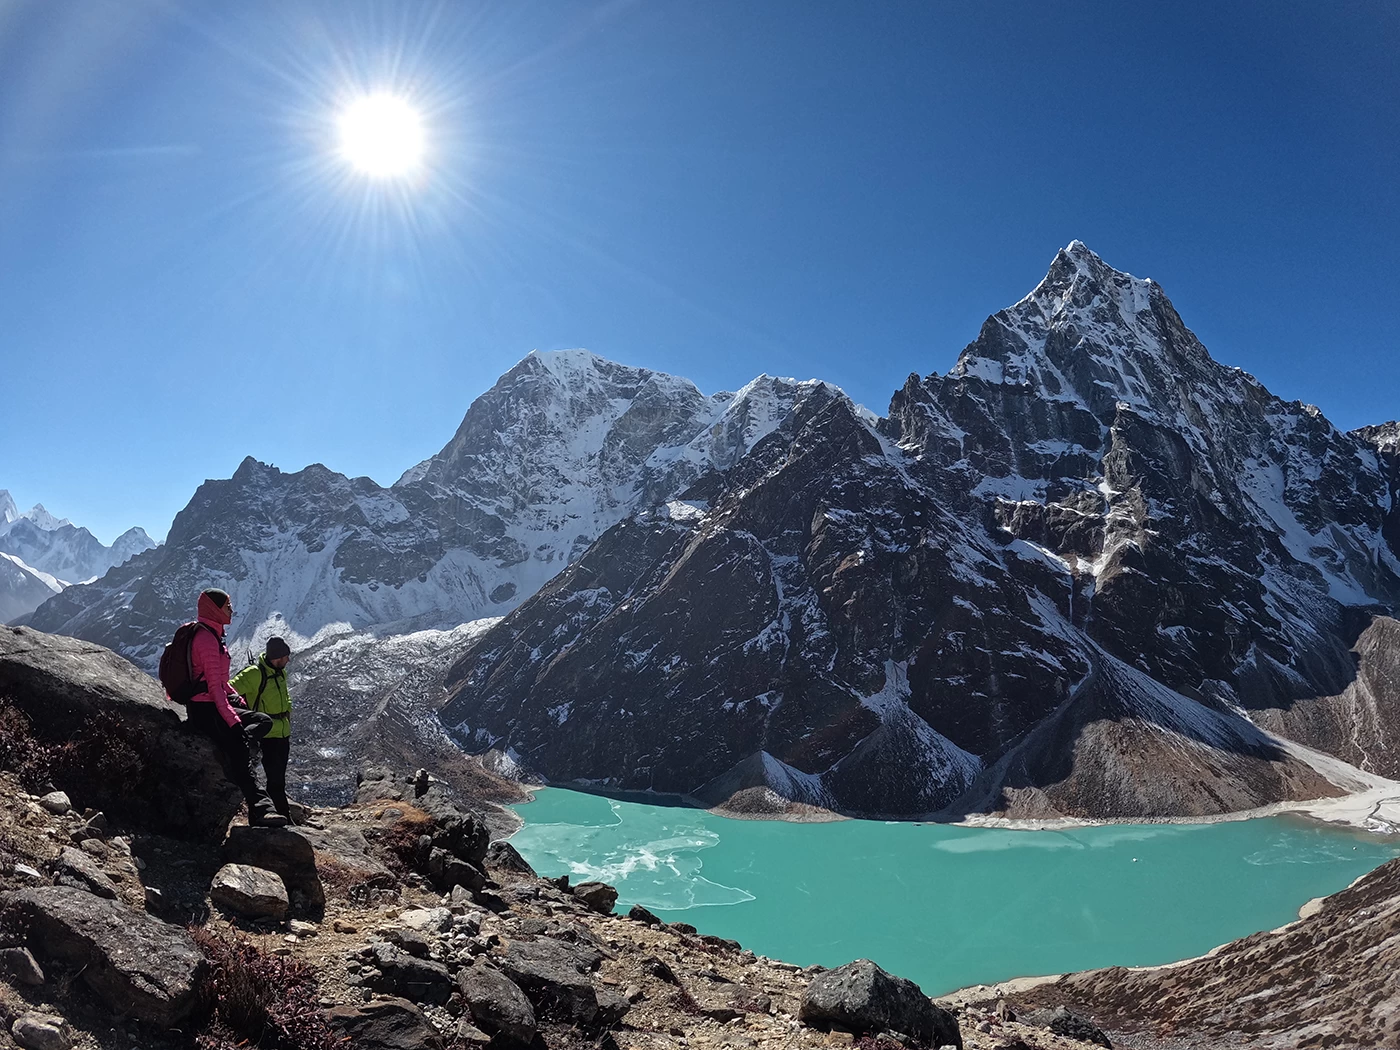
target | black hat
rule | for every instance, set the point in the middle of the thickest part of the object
(276, 648)
(218, 597)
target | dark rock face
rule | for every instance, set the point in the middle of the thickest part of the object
(64, 686)
(865, 999)
(501, 854)
(599, 896)
(498, 1006)
(1069, 1024)
(1086, 551)
(554, 975)
(387, 1024)
(135, 964)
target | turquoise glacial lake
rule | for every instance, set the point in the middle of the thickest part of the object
(949, 906)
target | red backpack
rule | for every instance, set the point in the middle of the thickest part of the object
(176, 671)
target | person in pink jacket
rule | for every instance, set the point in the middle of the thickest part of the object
(218, 711)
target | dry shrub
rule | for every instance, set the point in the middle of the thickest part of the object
(352, 884)
(21, 752)
(256, 1000)
(107, 763)
(400, 839)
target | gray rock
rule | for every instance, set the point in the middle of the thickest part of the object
(254, 893)
(502, 856)
(469, 1035)
(35, 1031)
(57, 802)
(864, 999)
(62, 683)
(77, 869)
(134, 963)
(434, 919)
(599, 896)
(419, 980)
(640, 914)
(555, 977)
(410, 941)
(388, 1024)
(20, 965)
(1071, 1025)
(287, 851)
(496, 1003)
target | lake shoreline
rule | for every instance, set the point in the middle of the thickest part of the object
(1375, 810)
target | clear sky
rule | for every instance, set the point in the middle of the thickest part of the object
(191, 273)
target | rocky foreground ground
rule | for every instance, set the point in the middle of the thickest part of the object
(137, 910)
(119, 939)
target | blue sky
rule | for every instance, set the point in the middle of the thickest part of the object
(839, 190)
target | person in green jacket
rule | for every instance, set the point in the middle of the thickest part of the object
(264, 686)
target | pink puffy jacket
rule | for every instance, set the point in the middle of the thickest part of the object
(209, 660)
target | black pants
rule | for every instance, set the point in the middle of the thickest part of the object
(232, 749)
(275, 752)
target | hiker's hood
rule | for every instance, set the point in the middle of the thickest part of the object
(212, 614)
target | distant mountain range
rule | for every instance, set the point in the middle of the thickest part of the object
(40, 555)
(1089, 571)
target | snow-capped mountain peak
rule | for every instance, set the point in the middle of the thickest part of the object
(8, 511)
(40, 516)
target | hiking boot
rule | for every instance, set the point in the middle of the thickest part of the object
(265, 817)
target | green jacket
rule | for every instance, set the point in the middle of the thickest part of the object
(275, 700)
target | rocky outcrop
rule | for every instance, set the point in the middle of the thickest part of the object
(142, 763)
(864, 999)
(135, 964)
(1330, 979)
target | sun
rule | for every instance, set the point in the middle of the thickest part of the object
(381, 136)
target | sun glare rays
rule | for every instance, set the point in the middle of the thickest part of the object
(381, 135)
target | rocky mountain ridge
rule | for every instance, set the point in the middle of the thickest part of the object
(562, 447)
(1090, 571)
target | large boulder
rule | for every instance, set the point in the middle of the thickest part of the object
(251, 892)
(134, 963)
(145, 766)
(287, 851)
(421, 980)
(555, 976)
(497, 1005)
(863, 998)
(387, 1024)
(599, 896)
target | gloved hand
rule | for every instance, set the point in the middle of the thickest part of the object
(255, 725)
